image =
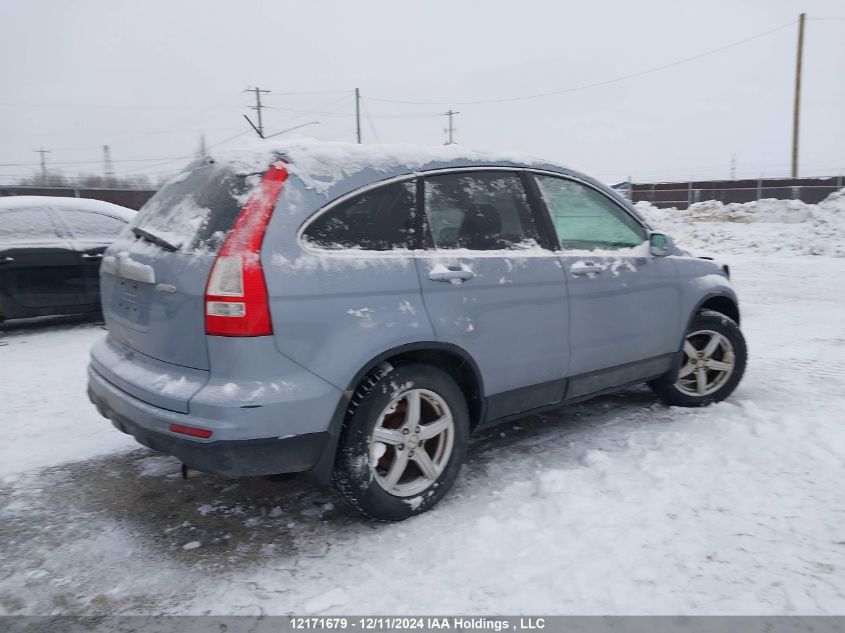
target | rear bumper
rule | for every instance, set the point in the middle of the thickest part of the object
(150, 427)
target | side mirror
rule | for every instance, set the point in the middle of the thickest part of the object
(659, 244)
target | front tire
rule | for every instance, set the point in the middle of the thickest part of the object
(403, 442)
(715, 355)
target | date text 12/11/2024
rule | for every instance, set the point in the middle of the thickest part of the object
(466, 624)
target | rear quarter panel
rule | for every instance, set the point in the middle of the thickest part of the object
(333, 312)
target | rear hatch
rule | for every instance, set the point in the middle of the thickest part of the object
(153, 278)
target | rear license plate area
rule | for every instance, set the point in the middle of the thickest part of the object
(132, 301)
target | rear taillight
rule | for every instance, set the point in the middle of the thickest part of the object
(236, 301)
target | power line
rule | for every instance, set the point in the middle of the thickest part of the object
(226, 140)
(370, 122)
(178, 158)
(352, 114)
(90, 162)
(121, 106)
(329, 109)
(591, 85)
(133, 137)
(110, 133)
(315, 92)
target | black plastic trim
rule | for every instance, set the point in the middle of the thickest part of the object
(508, 403)
(610, 378)
(511, 405)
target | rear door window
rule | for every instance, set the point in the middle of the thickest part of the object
(196, 210)
(378, 220)
(88, 225)
(479, 211)
(585, 219)
(19, 226)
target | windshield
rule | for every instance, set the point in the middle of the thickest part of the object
(196, 210)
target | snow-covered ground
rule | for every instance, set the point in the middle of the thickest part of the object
(47, 418)
(616, 506)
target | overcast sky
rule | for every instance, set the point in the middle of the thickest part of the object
(149, 77)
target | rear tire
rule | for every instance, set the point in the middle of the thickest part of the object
(403, 442)
(715, 355)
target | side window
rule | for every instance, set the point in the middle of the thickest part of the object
(378, 220)
(480, 211)
(90, 225)
(585, 219)
(27, 225)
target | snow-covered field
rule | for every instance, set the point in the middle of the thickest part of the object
(616, 506)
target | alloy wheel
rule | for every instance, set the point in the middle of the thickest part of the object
(411, 442)
(710, 361)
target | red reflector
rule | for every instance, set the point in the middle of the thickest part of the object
(189, 430)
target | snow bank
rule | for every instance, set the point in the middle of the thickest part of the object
(764, 227)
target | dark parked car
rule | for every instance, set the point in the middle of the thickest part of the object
(50, 253)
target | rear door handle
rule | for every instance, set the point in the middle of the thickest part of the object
(7, 260)
(583, 268)
(92, 256)
(451, 275)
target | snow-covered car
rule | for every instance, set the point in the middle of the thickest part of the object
(50, 252)
(358, 311)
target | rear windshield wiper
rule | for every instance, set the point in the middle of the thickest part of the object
(155, 239)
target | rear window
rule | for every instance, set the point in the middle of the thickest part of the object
(196, 211)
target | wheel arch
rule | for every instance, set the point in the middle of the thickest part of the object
(721, 303)
(453, 359)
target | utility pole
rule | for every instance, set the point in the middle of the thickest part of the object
(358, 114)
(733, 166)
(797, 106)
(43, 153)
(108, 168)
(257, 107)
(451, 129)
(202, 152)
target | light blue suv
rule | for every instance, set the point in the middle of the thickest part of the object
(358, 311)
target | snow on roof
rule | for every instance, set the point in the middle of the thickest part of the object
(59, 202)
(322, 164)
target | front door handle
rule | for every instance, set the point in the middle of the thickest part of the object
(7, 260)
(92, 256)
(453, 275)
(584, 268)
